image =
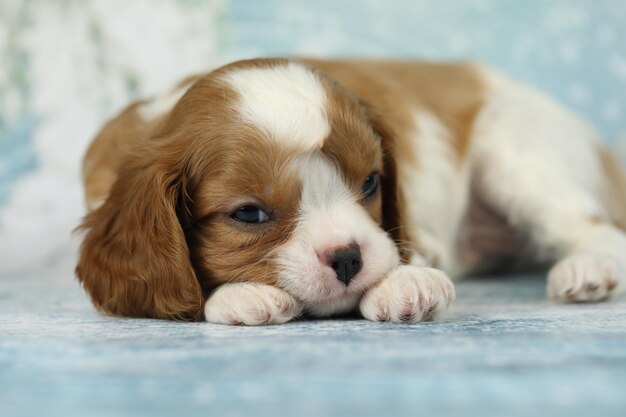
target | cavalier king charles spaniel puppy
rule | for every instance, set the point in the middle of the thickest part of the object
(268, 189)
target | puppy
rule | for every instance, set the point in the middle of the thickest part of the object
(271, 188)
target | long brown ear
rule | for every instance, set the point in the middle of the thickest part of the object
(134, 260)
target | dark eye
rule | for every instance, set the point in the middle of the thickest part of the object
(250, 214)
(370, 185)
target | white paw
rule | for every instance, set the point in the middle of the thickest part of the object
(580, 278)
(250, 304)
(407, 295)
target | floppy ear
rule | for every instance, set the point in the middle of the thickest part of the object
(134, 260)
(390, 191)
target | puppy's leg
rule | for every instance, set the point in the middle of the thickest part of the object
(539, 166)
(250, 304)
(408, 294)
(566, 223)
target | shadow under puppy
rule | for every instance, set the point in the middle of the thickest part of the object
(271, 188)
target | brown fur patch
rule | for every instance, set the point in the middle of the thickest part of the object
(109, 149)
(134, 258)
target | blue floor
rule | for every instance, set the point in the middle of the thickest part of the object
(501, 351)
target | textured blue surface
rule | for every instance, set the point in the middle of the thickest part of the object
(502, 350)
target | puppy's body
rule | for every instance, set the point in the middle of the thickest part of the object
(477, 172)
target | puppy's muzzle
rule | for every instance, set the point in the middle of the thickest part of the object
(345, 261)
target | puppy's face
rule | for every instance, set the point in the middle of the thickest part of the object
(264, 171)
(292, 195)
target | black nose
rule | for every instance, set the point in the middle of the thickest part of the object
(346, 262)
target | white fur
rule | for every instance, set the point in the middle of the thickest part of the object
(331, 216)
(537, 164)
(162, 104)
(583, 277)
(436, 189)
(250, 304)
(407, 295)
(287, 102)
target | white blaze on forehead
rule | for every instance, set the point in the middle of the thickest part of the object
(330, 213)
(287, 101)
(322, 185)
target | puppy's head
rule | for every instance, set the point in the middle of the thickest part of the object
(264, 171)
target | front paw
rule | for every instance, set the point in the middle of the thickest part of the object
(583, 278)
(250, 304)
(409, 294)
